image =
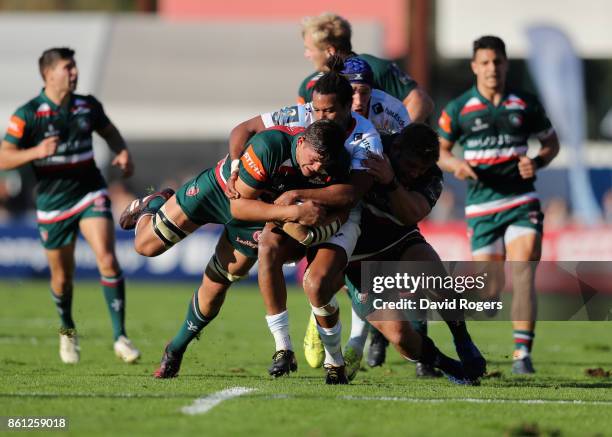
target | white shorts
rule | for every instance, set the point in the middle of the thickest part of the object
(348, 234)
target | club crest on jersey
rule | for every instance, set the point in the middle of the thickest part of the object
(516, 120)
(256, 236)
(192, 191)
(44, 235)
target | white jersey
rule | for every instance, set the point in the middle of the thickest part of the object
(387, 114)
(362, 139)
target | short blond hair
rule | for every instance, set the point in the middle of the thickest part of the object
(329, 29)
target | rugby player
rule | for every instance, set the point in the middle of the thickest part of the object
(53, 133)
(275, 159)
(329, 34)
(408, 184)
(493, 122)
(332, 100)
(389, 116)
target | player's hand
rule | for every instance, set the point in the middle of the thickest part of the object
(287, 198)
(380, 168)
(230, 186)
(47, 147)
(527, 168)
(465, 171)
(124, 162)
(310, 213)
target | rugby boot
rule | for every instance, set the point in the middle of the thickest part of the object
(427, 371)
(521, 364)
(138, 207)
(335, 375)
(313, 347)
(377, 351)
(283, 363)
(474, 364)
(69, 350)
(170, 364)
(126, 350)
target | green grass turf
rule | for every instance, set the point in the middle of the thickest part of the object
(103, 396)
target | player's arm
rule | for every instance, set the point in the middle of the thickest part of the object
(123, 158)
(448, 162)
(13, 157)
(337, 196)
(419, 105)
(249, 208)
(410, 207)
(548, 151)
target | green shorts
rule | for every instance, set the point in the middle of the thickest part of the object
(203, 201)
(489, 233)
(63, 232)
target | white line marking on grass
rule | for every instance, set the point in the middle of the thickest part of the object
(474, 400)
(207, 403)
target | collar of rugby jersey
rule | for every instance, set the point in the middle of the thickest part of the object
(488, 102)
(52, 104)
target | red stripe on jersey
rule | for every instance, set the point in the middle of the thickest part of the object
(61, 167)
(288, 129)
(47, 113)
(70, 213)
(473, 108)
(500, 208)
(311, 83)
(491, 161)
(218, 171)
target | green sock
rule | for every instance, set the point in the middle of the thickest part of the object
(63, 304)
(194, 323)
(114, 293)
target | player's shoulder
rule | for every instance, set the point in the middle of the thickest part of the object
(309, 81)
(277, 135)
(375, 62)
(517, 98)
(467, 97)
(362, 125)
(85, 99)
(386, 100)
(32, 106)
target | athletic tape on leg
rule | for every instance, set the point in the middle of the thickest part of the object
(328, 309)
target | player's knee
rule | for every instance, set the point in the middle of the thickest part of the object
(147, 244)
(107, 263)
(316, 284)
(269, 248)
(61, 282)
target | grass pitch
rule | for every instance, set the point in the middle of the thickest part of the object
(103, 396)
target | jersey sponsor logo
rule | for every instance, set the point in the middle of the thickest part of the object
(445, 122)
(377, 108)
(358, 136)
(395, 116)
(16, 126)
(253, 165)
(495, 140)
(286, 115)
(192, 191)
(246, 243)
(473, 105)
(479, 125)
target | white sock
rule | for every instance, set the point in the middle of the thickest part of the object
(279, 327)
(359, 332)
(331, 339)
